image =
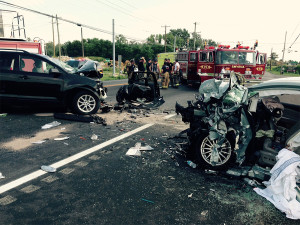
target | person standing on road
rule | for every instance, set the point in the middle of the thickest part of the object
(155, 68)
(131, 70)
(176, 74)
(141, 63)
(165, 80)
(149, 66)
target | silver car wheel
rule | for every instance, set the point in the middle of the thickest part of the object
(86, 103)
(224, 152)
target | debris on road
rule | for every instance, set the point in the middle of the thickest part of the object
(94, 137)
(211, 171)
(38, 142)
(81, 118)
(252, 183)
(204, 215)
(282, 189)
(190, 195)
(1, 176)
(82, 138)
(191, 164)
(50, 125)
(48, 169)
(146, 200)
(61, 139)
(136, 150)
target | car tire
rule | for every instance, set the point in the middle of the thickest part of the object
(203, 149)
(85, 103)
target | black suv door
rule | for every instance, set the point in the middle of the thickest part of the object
(37, 81)
(9, 75)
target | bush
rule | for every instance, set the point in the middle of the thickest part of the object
(96, 58)
(297, 69)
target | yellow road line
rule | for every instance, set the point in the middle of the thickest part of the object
(112, 85)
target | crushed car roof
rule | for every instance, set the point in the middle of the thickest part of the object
(289, 85)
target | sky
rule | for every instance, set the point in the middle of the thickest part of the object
(226, 22)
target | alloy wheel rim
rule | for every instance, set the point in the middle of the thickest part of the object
(86, 103)
(224, 152)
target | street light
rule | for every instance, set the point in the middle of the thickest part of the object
(82, 46)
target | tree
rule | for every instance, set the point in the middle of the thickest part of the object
(121, 39)
(272, 58)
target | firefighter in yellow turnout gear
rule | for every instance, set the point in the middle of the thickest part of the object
(165, 80)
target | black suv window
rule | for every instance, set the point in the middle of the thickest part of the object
(8, 61)
(34, 65)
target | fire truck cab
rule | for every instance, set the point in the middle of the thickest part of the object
(198, 66)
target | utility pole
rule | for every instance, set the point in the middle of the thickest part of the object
(53, 37)
(114, 50)
(174, 42)
(271, 59)
(165, 26)
(82, 46)
(195, 36)
(1, 25)
(59, 49)
(283, 52)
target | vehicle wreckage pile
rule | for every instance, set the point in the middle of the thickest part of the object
(234, 127)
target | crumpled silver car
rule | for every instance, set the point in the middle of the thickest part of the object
(230, 123)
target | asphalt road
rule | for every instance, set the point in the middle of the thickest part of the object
(96, 183)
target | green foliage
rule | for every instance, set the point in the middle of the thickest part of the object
(297, 69)
(101, 49)
(97, 58)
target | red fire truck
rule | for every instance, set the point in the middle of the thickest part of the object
(198, 66)
(13, 43)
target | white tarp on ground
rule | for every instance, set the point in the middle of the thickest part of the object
(281, 186)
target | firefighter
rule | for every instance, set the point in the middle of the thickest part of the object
(165, 80)
(175, 76)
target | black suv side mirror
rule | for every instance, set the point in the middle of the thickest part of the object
(55, 72)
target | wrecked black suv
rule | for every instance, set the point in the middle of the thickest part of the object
(31, 77)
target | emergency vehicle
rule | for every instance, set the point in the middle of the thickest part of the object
(21, 44)
(217, 62)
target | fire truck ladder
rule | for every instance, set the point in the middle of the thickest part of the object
(19, 19)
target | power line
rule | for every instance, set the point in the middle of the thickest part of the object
(294, 41)
(120, 10)
(128, 3)
(65, 20)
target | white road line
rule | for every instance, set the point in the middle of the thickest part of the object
(169, 116)
(38, 173)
